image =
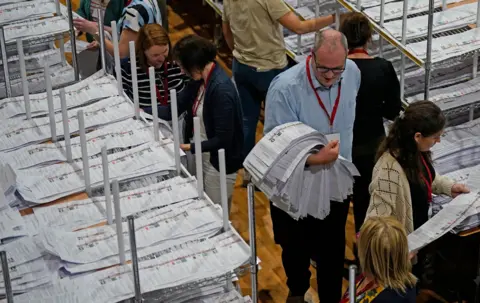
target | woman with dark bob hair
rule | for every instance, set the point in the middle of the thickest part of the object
(404, 179)
(377, 98)
(213, 98)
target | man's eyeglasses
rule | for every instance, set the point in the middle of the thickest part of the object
(324, 70)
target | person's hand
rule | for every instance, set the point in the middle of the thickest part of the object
(458, 189)
(328, 154)
(85, 26)
(412, 255)
(185, 147)
(93, 45)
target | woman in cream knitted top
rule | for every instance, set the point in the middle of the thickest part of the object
(403, 178)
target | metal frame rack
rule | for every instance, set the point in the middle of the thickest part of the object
(31, 40)
(112, 185)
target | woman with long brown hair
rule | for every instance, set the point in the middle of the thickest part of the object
(153, 50)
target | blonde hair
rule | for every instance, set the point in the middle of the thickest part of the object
(148, 36)
(383, 253)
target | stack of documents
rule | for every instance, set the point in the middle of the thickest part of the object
(36, 29)
(278, 167)
(452, 156)
(34, 62)
(46, 184)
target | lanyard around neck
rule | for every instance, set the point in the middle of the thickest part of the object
(429, 182)
(201, 92)
(331, 118)
(358, 51)
(163, 100)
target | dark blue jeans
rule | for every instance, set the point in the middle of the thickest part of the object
(252, 87)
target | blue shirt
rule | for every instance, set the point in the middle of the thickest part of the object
(137, 14)
(291, 98)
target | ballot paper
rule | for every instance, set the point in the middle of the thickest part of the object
(446, 47)
(34, 62)
(393, 10)
(36, 82)
(78, 214)
(307, 43)
(170, 222)
(124, 134)
(26, 10)
(96, 87)
(80, 46)
(450, 216)
(278, 167)
(450, 19)
(12, 224)
(42, 185)
(16, 133)
(36, 29)
(460, 132)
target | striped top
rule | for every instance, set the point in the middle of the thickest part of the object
(172, 77)
(138, 13)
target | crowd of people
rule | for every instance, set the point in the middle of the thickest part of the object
(338, 89)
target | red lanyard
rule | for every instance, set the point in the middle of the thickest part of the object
(358, 281)
(358, 51)
(331, 118)
(200, 94)
(427, 183)
(163, 100)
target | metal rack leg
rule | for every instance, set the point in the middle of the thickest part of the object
(6, 73)
(352, 287)
(428, 61)
(101, 34)
(253, 243)
(133, 251)
(73, 40)
(6, 277)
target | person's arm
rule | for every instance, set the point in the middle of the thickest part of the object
(227, 34)
(222, 108)
(292, 22)
(126, 36)
(384, 190)
(445, 186)
(392, 104)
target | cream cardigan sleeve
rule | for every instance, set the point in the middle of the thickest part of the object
(442, 185)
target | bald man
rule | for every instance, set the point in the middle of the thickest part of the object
(319, 92)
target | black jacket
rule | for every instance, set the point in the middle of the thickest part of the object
(223, 118)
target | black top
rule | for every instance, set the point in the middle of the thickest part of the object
(377, 98)
(170, 77)
(392, 296)
(419, 194)
(222, 117)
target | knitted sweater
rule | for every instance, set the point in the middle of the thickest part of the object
(390, 191)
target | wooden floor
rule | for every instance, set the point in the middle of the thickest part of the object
(185, 19)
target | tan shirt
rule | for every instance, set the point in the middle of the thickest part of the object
(390, 191)
(257, 34)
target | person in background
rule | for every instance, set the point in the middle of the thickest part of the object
(309, 92)
(385, 263)
(111, 10)
(378, 98)
(253, 31)
(135, 15)
(153, 49)
(213, 98)
(404, 179)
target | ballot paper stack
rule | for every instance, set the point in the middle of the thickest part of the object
(278, 167)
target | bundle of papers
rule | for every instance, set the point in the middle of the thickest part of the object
(460, 132)
(174, 266)
(124, 134)
(60, 76)
(94, 88)
(74, 215)
(278, 167)
(36, 29)
(34, 62)
(17, 133)
(26, 10)
(42, 185)
(394, 10)
(452, 156)
(453, 18)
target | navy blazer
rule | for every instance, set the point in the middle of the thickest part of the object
(222, 117)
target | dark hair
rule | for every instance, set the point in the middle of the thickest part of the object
(422, 117)
(193, 53)
(150, 35)
(357, 29)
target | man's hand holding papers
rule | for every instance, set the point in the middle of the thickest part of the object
(328, 154)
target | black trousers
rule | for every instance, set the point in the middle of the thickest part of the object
(310, 238)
